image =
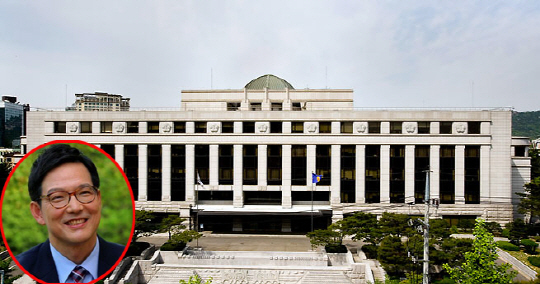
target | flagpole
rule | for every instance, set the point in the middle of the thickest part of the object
(197, 206)
(312, 186)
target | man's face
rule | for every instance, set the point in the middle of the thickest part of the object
(77, 223)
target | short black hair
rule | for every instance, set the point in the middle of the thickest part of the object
(55, 156)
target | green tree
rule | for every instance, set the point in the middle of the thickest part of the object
(530, 202)
(393, 256)
(517, 230)
(5, 266)
(479, 266)
(395, 225)
(362, 227)
(143, 224)
(331, 236)
(196, 279)
(535, 162)
(172, 223)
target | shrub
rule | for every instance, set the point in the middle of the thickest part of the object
(370, 251)
(171, 246)
(136, 248)
(534, 260)
(530, 246)
(335, 248)
(504, 245)
(494, 228)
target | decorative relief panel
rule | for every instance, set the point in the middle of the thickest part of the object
(262, 127)
(311, 127)
(361, 127)
(119, 127)
(72, 127)
(460, 127)
(214, 127)
(410, 127)
(166, 127)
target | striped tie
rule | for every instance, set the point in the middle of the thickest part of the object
(78, 274)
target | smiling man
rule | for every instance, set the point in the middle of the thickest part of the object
(64, 189)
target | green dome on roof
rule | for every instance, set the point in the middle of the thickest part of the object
(268, 81)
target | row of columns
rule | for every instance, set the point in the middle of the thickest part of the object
(334, 188)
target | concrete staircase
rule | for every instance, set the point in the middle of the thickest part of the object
(318, 277)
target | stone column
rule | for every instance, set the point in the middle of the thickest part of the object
(485, 152)
(459, 171)
(435, 171)
(166, 172)
(143, 172)
(214, 165)
(262, 157)
(238, 194)
(409, 173)
(96, 127)
(385, 173)
(310, 163)
(190, 173)
(286, 177)
(119, 154)
(335, 172)
(360, 173)
(143, 127)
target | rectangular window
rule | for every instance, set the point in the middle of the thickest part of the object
(106, 127)
(153, 127)
(296, 106)
(347, 127)
(298, 164)
(323, 162)
(374, 127)
(233, 106)
(472, 174)
(179, 127)
(297, 127)
(373, 173)
(273, 164)
(131, 167)
(200, 127)
(396, 127)
(154, 173)
(86, 127)
(255, 106)
(421, 164)
(178, 172)
(59, 127)
(202, 162)
(473, 127)
(445, 127)
(226, 164)
(447, 174)
(276, 127)
(132, 127)
(348, 173)
(277, 106)
(248, 127)
(325, 127)
(397, 174)
(423, 127)
(227, 127)
(250, 164)
(520, 151)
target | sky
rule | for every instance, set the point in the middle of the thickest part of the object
(393, 54)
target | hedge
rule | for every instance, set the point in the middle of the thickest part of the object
(504, 245)
(534, 260)
(173, 246)
(530, 246)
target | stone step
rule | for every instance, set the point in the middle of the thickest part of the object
(318, 277)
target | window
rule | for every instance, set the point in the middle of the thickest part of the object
(445, 127)
(153, 127)
(200, 127)
(226, 164)
(423, 127)
(250, 165)
(396, 127)
(297, 127)
(255, 106)
(132, 127)
(233, 106)
(86, 127)
(179, 127)
(106, 127)
(297, 106)
(277, 106)
(374, 127)
(59, 127)
(520, 151)
(248, 127)
(325, 127)
(276, 127)
(474, 127)
(346, 127)
(227, 127)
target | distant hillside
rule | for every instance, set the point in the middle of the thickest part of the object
(526, 124)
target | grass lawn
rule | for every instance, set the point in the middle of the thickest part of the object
(522, 256)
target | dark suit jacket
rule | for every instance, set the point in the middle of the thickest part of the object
(39, 261)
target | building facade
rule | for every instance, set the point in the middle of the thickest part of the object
(100, 102)
(242, 160)
(11, 122)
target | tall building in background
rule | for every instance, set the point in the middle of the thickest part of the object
(11, 122)
(243, 160)
(99, 102)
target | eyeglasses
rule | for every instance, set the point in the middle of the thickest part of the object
(84, 194)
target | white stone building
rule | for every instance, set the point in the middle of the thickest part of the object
(100, 102)
(255, 150)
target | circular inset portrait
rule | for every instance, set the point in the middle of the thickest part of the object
(67, 213)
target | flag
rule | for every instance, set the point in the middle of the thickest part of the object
(199, 181)
(315, 178)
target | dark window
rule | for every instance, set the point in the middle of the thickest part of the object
(131, 167)
(373, 176)
(446, 174)
(296, 106)
(255, 106)
(86, 127)
(178, 172)
(472, 174)
(348, 174)
(273, 164)
(374, 127)
(227, 127)
(202, 163)
(106, 127)
(297, 127)
(277, 106)
(154, 172)
(397, 174)
(233, 106)
(179, 127)
(250, 164)
(276, 127)
(262, 197)
(132, 127)
(325, 127)
(153, 127)
(473, 127)
(423, 127)
(421, 164)
(396, 127)
(323, 163)
(347, 127)
(298, 165)
(248, 127)
(59, 127)
(226, 164)
(200, 127)
(109, 149)
(520, 151)
(305, 197)
(445, 127)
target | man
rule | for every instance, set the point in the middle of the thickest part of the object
(64, 189)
